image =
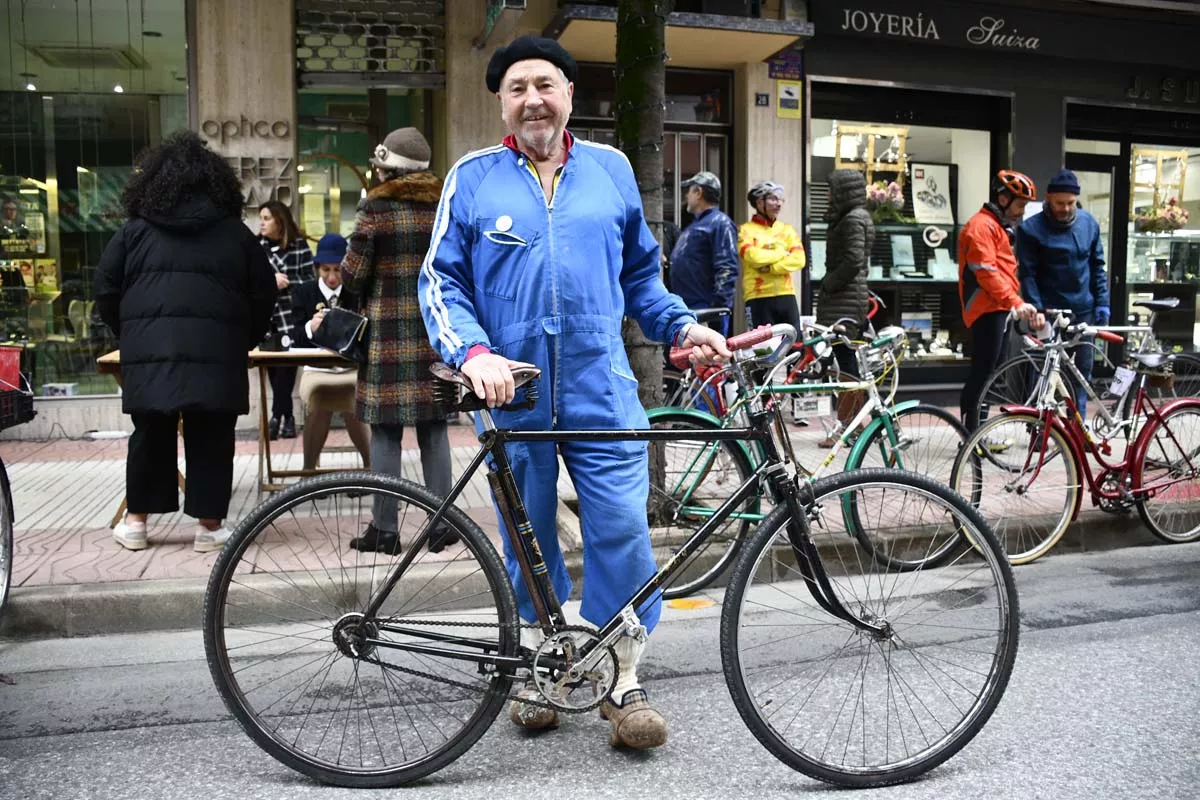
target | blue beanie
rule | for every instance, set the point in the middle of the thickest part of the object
(331, 249)
(1064, 181)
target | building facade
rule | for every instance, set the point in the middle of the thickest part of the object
(934, 96)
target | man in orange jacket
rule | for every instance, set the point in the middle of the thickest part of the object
(987, 282)
(770, 251)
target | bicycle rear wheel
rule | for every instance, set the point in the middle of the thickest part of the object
(1184, 381)
(311, 679)
(865, 708)
(1167, 485)
(698, 478)
(6, 542)
(1025, 481)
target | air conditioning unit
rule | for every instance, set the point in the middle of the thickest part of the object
(80, 57)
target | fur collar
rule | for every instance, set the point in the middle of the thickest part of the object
(416, 187)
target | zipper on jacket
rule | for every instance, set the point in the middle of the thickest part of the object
(548, 202)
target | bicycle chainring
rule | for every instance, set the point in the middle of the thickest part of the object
(1109, 483)
(560, 676)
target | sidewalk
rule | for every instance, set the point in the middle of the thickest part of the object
(70, 577)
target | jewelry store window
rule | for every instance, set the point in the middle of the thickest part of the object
(1163, 256)
(923, 184)
(81, 94)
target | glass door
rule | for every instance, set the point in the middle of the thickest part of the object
(1098, 184)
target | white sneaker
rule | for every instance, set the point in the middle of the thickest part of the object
(208, 541)
(131, 535)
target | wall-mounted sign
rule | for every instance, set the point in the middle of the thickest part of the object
(762, 99)
(225, 129)
(1171, 89)
(789, 99)
(786, 65)
(1001, 28)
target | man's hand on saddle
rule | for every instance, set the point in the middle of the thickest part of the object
(708, 346)
(492, 378)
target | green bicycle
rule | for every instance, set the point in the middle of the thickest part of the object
(699, 476)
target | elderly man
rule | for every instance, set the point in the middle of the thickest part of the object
(704, 263)
(1062, 264)
(540, 249)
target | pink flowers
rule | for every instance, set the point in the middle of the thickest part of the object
(885, 195)
(1161, 219)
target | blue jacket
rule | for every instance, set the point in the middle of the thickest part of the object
(704, 263)
(1062, 267)
(549, 285)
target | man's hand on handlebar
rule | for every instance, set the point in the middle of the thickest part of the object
(1030, 314)
(707, 346)
(492, 378)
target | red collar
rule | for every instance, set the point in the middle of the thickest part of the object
(510, 142)
(761, 220)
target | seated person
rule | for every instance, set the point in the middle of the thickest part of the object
(324, 390)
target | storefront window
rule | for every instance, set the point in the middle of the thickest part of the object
(926, 183)
(1163, 258)
(84, 87)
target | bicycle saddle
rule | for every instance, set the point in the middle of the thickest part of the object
(1151, 360)
(521, 375)
(706, 315)
(1163, 304)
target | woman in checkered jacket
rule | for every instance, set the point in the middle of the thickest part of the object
(292, 260)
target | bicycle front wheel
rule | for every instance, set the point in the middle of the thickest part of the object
(6, 544)
(345, 697)
(911, 666)
(1022, 475)
(697, 478)
(1014, 383)
(1168, 478)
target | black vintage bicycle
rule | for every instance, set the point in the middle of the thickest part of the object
(371, 670)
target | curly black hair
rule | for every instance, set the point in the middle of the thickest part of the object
(181, 166)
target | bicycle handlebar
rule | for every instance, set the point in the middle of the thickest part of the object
(742, 344)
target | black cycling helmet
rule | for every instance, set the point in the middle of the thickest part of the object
(762, 189)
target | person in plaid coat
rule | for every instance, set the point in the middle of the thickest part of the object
(292, 260)
(392, 232)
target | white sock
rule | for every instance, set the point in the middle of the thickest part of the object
(532, 637)
(629, 653)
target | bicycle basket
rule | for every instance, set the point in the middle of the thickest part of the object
(16, 408)
(1160, 380)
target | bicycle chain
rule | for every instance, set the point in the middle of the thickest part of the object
(512, 696)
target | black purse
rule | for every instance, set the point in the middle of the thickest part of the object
(344, 332)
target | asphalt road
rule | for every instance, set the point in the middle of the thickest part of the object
(1104, 703)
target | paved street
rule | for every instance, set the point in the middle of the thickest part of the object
(1103, 703)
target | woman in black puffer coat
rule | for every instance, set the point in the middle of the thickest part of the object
(843, 290)
(188, 291)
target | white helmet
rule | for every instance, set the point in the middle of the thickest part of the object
(762, 189)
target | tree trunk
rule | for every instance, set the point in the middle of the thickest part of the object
(640, 106)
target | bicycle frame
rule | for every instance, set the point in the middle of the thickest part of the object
(533, 567)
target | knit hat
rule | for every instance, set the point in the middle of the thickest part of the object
(331, 249)
(404, 149)
(526, 47)
(1064, 181)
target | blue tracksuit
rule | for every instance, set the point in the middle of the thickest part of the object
(549, 283)
(705, 261)
(1063, 267)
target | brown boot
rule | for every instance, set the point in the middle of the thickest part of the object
(529, 716)
(634, 722)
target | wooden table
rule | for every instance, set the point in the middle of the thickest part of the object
(268, 476)
(110, 364)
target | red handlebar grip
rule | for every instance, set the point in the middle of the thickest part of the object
(1109, 336)
(750, 338)
(681, 357)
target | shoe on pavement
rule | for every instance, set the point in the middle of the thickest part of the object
(442, 538)
(208, 541)
(273, 429)
(528, 716)
(131, 535)
(634, 721)
(288, 429)
(374, 540)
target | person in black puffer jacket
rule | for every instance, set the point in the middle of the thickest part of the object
(188, 291)
(843, 290)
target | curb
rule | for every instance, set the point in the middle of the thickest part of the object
(177, 604)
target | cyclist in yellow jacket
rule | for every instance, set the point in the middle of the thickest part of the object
(770, 251)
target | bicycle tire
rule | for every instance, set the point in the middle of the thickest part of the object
(1027, 526)
(6, 545)
(1186, 383)
(1013, 383)
(935, 459)
(682, 390)
(319, 587)
(965, 598)
(687, 498)
(1178, 451)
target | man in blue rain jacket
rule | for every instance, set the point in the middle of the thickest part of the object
(539, 249)
(1061, 264)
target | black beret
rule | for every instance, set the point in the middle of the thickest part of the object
(529, 47)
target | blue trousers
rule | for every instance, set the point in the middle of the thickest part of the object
(613, 483)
